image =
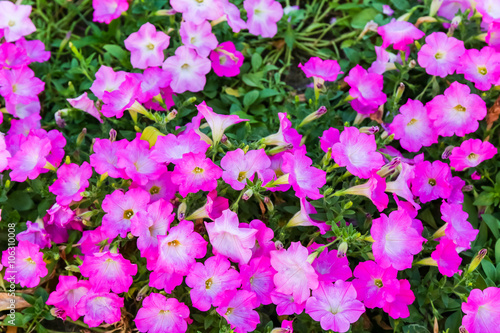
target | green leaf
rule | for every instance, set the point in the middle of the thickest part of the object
(42, 293)
(484, 199)
(117, 52)
(256, 61)
(497, 251)
(489, 269)
(492, 223)
(20, 200)
(16, 319)
(250, 98)
(427, 217)
(29, 298)
(289, 37)
(415, 328)
(252, 80)
(363, 17)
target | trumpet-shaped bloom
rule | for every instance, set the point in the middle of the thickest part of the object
(366, 87)
(449, 8)
(15, 21)
(198, 11)
(257, 276)
(105, 157)
(29, 161)
(401, 186)
(239, 166)
(171, 148)
(481, 67)
(147, 46)
(198, 37)
(375, 285)
(35, 234)
(28, 266)
(398, 308)
(153, 81)
(19, 85)
(106, 11)
(217, 122)
(327, 70)
(91, 241)
(263, 16)
(441, 54)
(432, 181)
(357, 152)
(335, 306)
(228, 239)
(295, 276)
(238, 309)
(4, 154)
(374, 189)
(263, 239)
(212, 209)
(68, 293)
(226, 60)
(330, 137)
(98, 307)
(210, 280)
(458, 229)
(471, 153)
(233, 16)
(399, 34)
(413, 127)
(302, 218)
(195, 172)
(446, 257)
(117, 101)
(493, 36)
(188, 70)
(482, 310)
(71, 181)
(162, 315)
(179, 249)
(305, 179)
(85, 104)
(120, 208)
(396, 240)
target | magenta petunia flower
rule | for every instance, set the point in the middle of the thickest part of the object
(212, 209)
(375, 285)
(449, 8)
(335, 306)
(15, 21)
(295, 276)
(119, 100)
(384, 62)
(71, 181)
(105, 157)
(149, 224)
(35, 234)
(198, 37)
(28, 266)
(366, 88)
(162, 315)
(457, 195)
(153, 81)
(302, 218)
(171, 148)
(107, 80)
(238, 309)
(263, 239)
(147, 46)
(19, 85)
(12, 56)
(167, 281)
(441, 54)
(305, 179)
(327, 70)
(179, 249)
(206, 10)
(412, 127)
(286, 305)
(489, 10)
(481, 67)
(217, 122)
(399, 34)
(263, 16)
(398, 308)
(4, 154)
(188, 70)
(446, 257)
(35, 49)
(471, 153)
(330, 137)
(239, 166)
(458, 229)
(286, 135)
(432, 181)
(226, 60)
(67, 294)
(330, 267)
(120, 208)
(493, 36)
(396, 240)
(22, 111)
(30, 160)
(85, 104)
(210, 280)
(357, 152)
(195, 172)
(482, 310)
(106, 11)
(98, 307)
(257, 276)
(401, 186)
(374, 189)
(229, 239)
(91, 240)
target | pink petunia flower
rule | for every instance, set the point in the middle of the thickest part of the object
(229, 239)
(458, 229)
(305, 179)
(166, 280)
(85, 104)
(398, 308)
(295, 276)
(330, 267)
(401, 186)
(471, 153)
(432, 181)
(71, 181)
(257, 276)
(286, 305)
(482, 310)
(105, 157)
(226, 60)
(179, 249)
(28, 266)
(327, 70)
(375, 285)
(446, 257)
(396, 240)
(19, 85)
(35, 50)
(263, 16)
(12, 56)
(154, 81)
(118, 100)
(335, 306)
(239, 166)
(30, 160)
(449, 8)
(217, 122)
(286, 135)
(91, 241)
(212, 209)
(120, 208)
(263, 239)
(188, 70)
(171, 148)
(493, 36)
(489, 10)
(233, 16)
(107, 80)
(302, 218)
(374, 189)
(198, 37)
(384, 62)
(106, 11)
(15, 21)
(399, 34)
(357, 152)
(68, 293)
(35, 234)
(201, 11)
(162, 315)
(4, 154)
(22, 111)
(238, 309)
(366, 88)
(456, 195)
(147, 46)
(195, 172)
(98, 307)
(330, 137)
(441, 54)
(412, 127)
(481, 67)
(210, 280)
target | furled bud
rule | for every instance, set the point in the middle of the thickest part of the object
(400, 91)
(248, 194)
(181, 211)
(269, 204)
(315, 115)
(81, 137)
(462, 329)
(477, 260)
(59, 119)
(435, 5)
(171, 115)
(278, 245)
(447, 152)
(327, 158)
(342, 250)
(112, 135)
(369, 130)
(467, 188)
(142, 293)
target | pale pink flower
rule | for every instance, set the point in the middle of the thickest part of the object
(4, 154)
(85, 104)
(198, 37)
(471, 153)
(441, 54)
(257, 276)
(30, 160)
(233, 16)
(35, 49)
(107, 80)
(188, 70)
(401, 186)
(238, 309)
(98, 307)
(106, 11)
(449, 8)
(327, 70)
(71, 181)
(286, 305)
(489, 10)
(15, 21)
(167, 281)
(171, 148)
(197, 12)
(27, 267)
(482, 310)
(147, 46)
(67, 294)
(302, 218)
(217, 122)
(263, 16)
(399, 34)
(19, 85)
(493, 36)
(239, 166)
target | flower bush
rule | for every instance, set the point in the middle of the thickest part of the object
(250, 166)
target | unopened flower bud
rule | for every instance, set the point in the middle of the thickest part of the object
(315, 115)
(342, 250)
(142, 293)
(58, 117)
(165, 12)
(312, 256)
(112, 135)
(400, 91)
(73, 268)
(467, 188)
(328, 192)
(58, 313)
(171, 115)
(369, 26)
(435, 5)
(412, 63)
(269, 204)
(477, 260)
(475, 175)
(181, 211)
(462, 329)
(348, 205)
(447, 152)
(81, 137)
(189, 101)
(369, 130)
(130, 236)
(327, 158)
(278, 245)
(384, 135)
(279, 149)
(389, 168)
(247, 195)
